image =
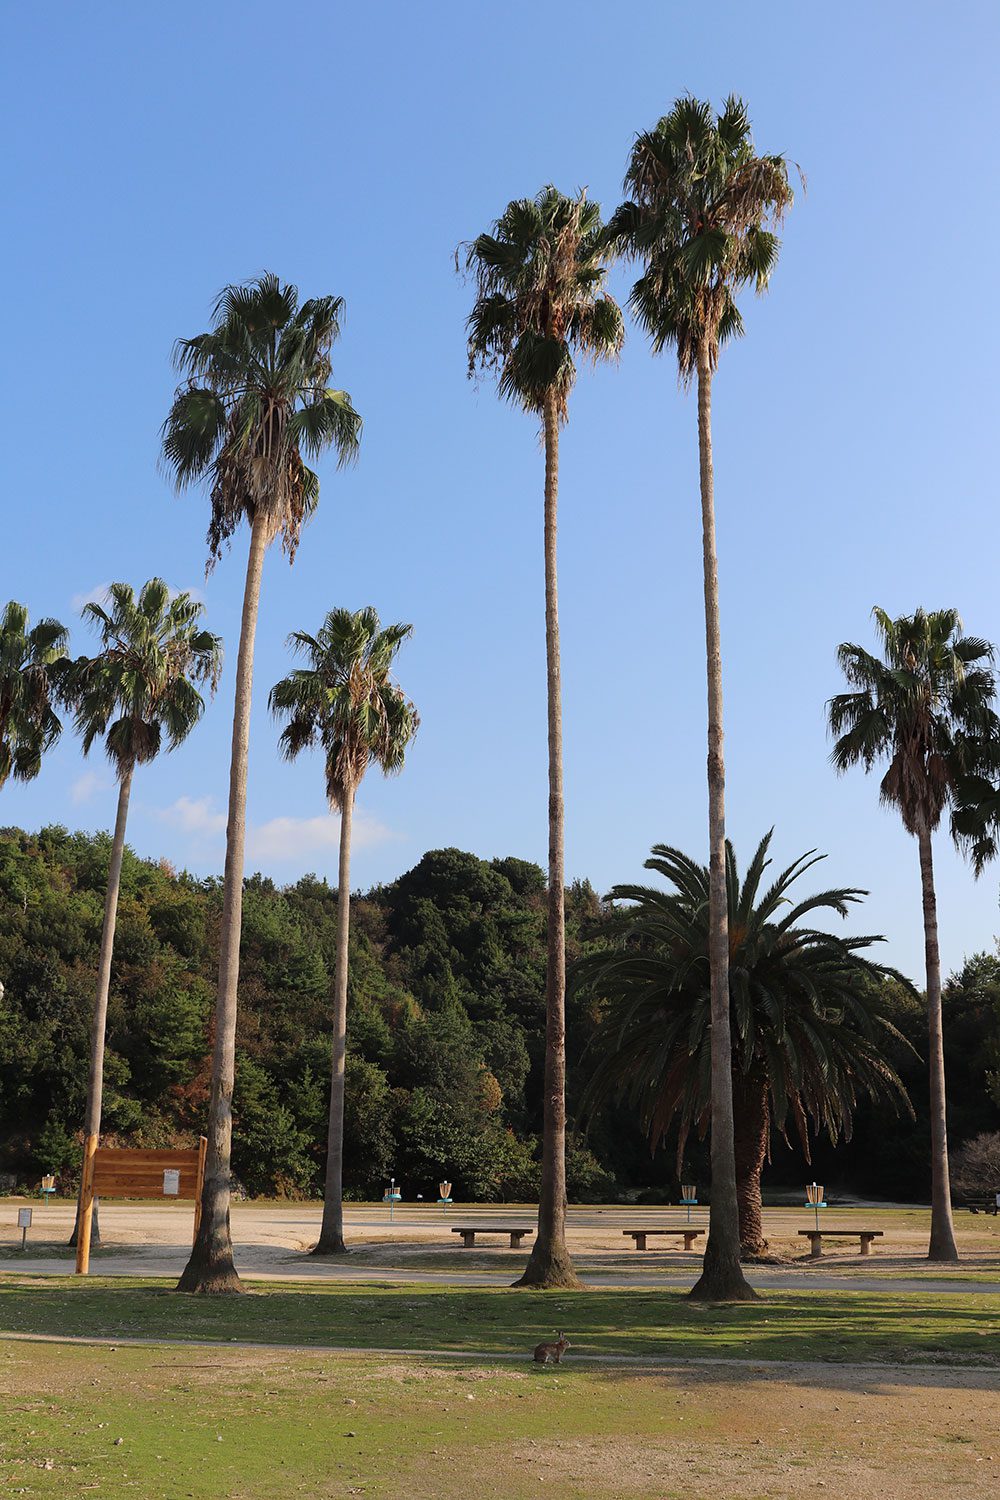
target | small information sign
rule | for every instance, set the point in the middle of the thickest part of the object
(171, 1182)
(24, 1218)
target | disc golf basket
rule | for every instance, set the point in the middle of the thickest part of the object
(444, 1195)
(392, 1196)
(814, 1199)
(47, 1186)
(689, 1196)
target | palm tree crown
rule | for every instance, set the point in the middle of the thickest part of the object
(346, 701)
(256, 398)
(141, 684)
(539, 279)
(806, 1029)
(701, 216)
(927, 706)
(30, 670)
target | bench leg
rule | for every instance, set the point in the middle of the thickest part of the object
(689, 1240)
(816, 1247)
(866, 1244)
(468, 1239)
(640, 1241)
(516, 1236)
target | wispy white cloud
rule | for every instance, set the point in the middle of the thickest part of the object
(194, 815)
(97, 595)
(285, 839)
(86, 786)
(279, 840)
(192, 589)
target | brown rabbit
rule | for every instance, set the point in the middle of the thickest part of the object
(554, 1352)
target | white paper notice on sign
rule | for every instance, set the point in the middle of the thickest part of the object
(171, 1181)
(24, 1218)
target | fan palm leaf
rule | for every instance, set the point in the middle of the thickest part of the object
(32, 663)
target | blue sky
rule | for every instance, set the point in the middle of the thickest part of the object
(153, 153)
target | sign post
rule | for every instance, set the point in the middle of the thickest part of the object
(108, 1173)
(24, 1224)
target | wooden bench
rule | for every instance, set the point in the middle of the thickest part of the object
(815, 1238)
(517, 1233)
(641, 1235)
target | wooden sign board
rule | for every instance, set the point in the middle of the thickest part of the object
(144, 1174)
(110, 1173)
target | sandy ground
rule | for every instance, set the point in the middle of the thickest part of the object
(418, 1244)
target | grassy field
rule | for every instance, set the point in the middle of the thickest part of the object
(237, 1399)
(226, 1424)
(652, 1325)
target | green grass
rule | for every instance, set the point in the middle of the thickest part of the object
(654, 1325)
(269, 1427)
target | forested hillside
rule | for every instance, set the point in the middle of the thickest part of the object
(446, 1030)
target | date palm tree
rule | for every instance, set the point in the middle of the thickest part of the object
(701, 216)
(139, 690)
(926, 706)
(31, 664)
(346, 702)
(256, 403)
(808, 1037)
(540, 302)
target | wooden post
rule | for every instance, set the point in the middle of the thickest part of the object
(202, 1152)
(86, 1207)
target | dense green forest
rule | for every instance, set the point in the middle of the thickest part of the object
(447, 1016)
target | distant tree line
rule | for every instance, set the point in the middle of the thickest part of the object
(446, 1033)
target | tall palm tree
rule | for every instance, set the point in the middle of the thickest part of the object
(346, 702)
(139, 689)
(540, 301)
(809, 1040)
(31, 664)
(701, 216)
(256, 399)
(926, 706)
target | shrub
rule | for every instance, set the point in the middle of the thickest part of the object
(976, 1166)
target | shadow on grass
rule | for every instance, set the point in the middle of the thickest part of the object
(661, 1326)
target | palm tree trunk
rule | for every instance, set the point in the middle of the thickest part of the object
(750, 1141)
(549, 1264)
(721, 1279)
(942, 1245)
(95, 1079)
(331, 1235)
(211, 1267)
